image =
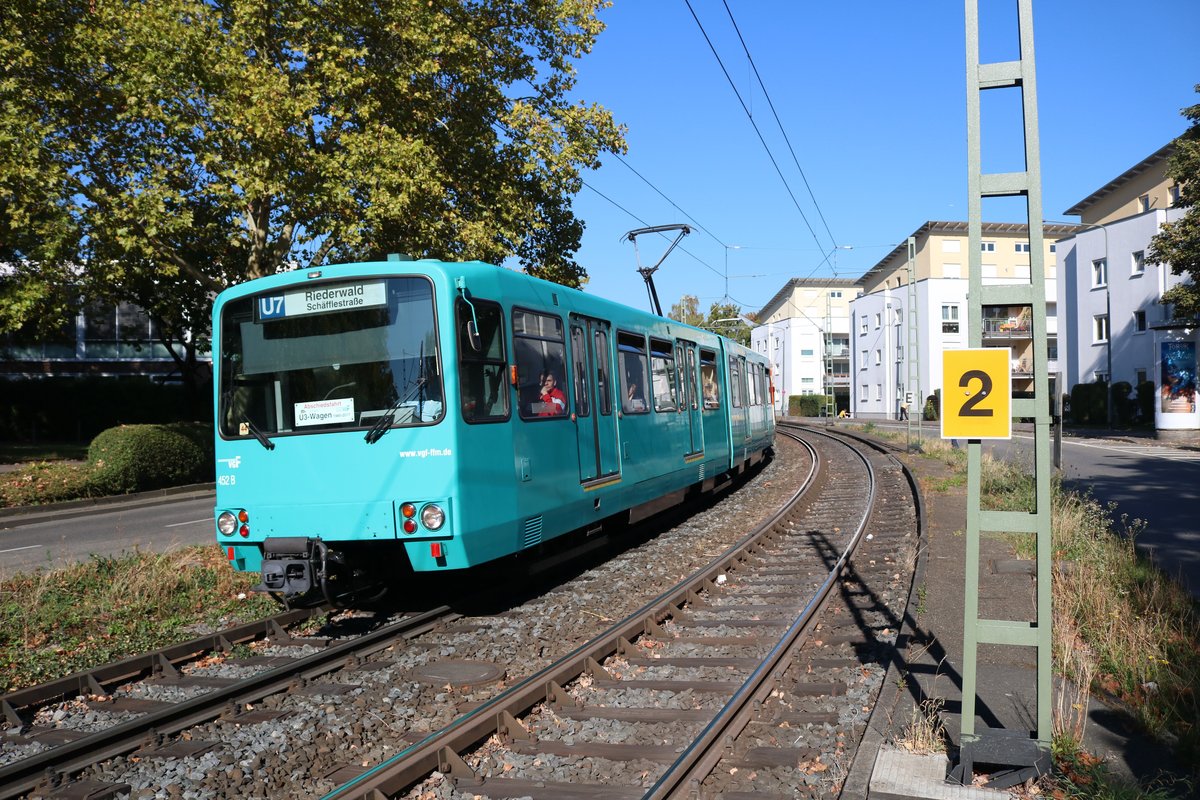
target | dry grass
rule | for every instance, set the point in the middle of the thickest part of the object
(55, 622)
(923, 732)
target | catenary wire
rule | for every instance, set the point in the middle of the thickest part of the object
(779, 122)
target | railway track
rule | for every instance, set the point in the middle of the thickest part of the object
(326, 726)
(710, 688)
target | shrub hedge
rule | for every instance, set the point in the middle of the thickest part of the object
(128, 458)
(806, 405)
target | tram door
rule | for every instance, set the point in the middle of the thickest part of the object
(595, 420)
(689, 398)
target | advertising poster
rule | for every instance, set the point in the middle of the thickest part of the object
(1177, 392)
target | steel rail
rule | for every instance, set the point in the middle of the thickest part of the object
(439, 750)
(93, 681)
(701, 757)
(23, 776)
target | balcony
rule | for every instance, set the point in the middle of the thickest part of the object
(1022, 368)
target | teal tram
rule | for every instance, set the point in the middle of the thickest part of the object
(379, 419)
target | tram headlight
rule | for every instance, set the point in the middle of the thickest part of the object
(432, 517)
(227, 523)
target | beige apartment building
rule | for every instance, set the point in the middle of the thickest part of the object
(805, 331)
(898, 332)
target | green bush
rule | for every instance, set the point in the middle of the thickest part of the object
(132, 458)
(933, 405)
(1088, 405)
(1145, 401)
(806, 405)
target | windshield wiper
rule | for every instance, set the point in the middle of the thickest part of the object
(226, 396)
(258, 434)
(389, 417)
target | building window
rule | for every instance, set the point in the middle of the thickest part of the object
(862, 393)
(879, 391)
(1143, 203)
(1139, 321)
(1052, 349)
(878, 357)
(1174, 194)
(1053, 248)
(863, 360)
(950, 245)
(1100, 329)
(950, 319)
(987, 247)
(1022, 247)
(863, 329)
(1099, 273)
(1139, 263)
(878, 321)
(806, 351)
(898, 315)
(899, 353)
(806, 380)
(1101, 376)
(835, 293)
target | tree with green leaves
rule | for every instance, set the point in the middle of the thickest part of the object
(160, 151)
(724, 318)
(687, 311)
(1178, 243)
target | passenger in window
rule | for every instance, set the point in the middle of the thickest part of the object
(635, 399)
(552, 401)
(710, 391)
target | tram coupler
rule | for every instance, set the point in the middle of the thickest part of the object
(289, 566)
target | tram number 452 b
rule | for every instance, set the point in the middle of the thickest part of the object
(978, 397)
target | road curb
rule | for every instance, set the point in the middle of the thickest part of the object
(52, 512)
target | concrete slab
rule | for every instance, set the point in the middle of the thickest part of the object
(900, 775)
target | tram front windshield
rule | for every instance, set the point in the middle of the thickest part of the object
(329, 357)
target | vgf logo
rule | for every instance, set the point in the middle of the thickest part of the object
(270, 307)
(233, 463)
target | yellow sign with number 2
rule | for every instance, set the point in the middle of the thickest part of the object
(977, 393)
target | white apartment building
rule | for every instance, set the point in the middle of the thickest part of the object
(1110, 291)
(805, 331)
(884, 366)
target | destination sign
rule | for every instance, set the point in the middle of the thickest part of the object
(321, 300)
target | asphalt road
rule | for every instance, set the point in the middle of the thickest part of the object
(50, 540)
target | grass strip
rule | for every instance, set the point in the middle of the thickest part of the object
(55, 622)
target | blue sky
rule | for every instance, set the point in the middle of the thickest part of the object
(872, 98)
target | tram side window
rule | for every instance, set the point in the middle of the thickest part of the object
(708, 377)
(662, 375)
(735, 382)
(579, 359)
(631, 357)
(481, 372)
(541, 365)
(604, 380)
(751, 385)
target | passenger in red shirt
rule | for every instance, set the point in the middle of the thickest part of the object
(553, 401)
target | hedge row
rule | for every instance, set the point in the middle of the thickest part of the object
(128, 458)
(807, 405)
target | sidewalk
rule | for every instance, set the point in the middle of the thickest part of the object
(931, 658)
